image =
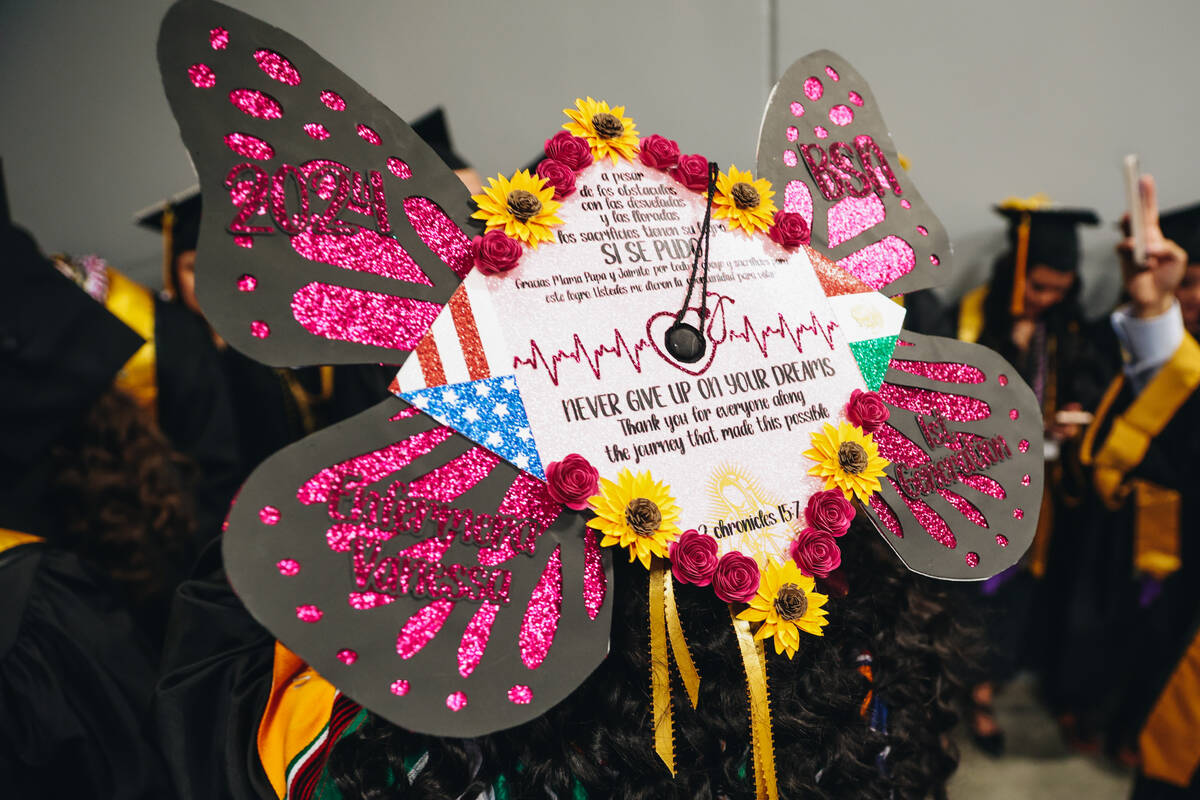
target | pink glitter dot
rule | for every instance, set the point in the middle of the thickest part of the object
(347, 656)
(259, 105)
(792, 133)
(820, 132)
(832, 73)
(288, 567)
(202, 76)
(277, 67)
(244, 241)
(933, 259)
(905, 204)
(841, 115)
(400, 688)
(1025, 479)
(225, 526)
(333, 100)
(972, 559)
(1023, 446)
(456, 701)
(247, 283)
(1001, 540)
(368, 135)
(249, 146)
(260, 329)
(1002, 380)
(316, 130)
(399, 168)
(1018, 513)
(309, 613)
(218, 38)
(813, 88)
(269, 515)
(856, 98)
(921, 229)
(1013, 414)
(797, 109)
(789, 158)
(521, 695)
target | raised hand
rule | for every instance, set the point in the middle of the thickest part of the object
(1151, 285)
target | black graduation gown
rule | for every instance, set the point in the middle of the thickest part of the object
(76, 683)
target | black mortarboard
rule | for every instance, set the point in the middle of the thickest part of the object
(1039, 233)
(432, 127)
(1182, 226)
(59, 350)
(178, 220)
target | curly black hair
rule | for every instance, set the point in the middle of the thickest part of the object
(924, 655)
(125, 503)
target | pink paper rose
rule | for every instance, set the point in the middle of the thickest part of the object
(866, 410)
(815, 552)
(692, 172)
(693, 558)
(830, 511)
(569, 150)
(558, 175)
(789, 230)
(495, 253)
(659, 152)
(736, 578)
(572, 481)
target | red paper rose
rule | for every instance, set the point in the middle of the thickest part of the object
(558, 175)
(815, 552)
(790, 229)
(659, 152)
(495, 253)
(572, 481)
(866, 410)
(693, 558)
(830, 511)
(736, 578)
(569, 150)
(692, 172)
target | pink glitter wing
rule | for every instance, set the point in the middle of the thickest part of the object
(542, 614)
(958, 483)
(356, 233)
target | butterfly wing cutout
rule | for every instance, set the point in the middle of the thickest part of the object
(964, 490)
(425, 577)
(331, 232)
(825, 147)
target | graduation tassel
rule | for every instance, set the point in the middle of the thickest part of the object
(168, 239)
(1017, 307)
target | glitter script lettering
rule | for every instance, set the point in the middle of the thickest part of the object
(836, 173)
(397, 575)
(972, 455)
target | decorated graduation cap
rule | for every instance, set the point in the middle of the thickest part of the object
(1182, 226)
(610, 352)
(178, 220)
(1041, 233)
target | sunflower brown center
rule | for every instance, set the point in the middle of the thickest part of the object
(744, 195)
(643, 516)
(523, 205)
(607, 126)
(852, 457)
(791, 603)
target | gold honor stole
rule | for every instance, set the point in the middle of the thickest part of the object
(1157, 508)
(295, 722)
(1170, 740)
(10, 539)
(133, 304)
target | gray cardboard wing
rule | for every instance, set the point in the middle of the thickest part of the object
(964, 489)
(825, 147)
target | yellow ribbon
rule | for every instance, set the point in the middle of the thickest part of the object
(762, 745)
(133, 304)
(666, 631)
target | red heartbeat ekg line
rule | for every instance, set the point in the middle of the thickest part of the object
(581, 355)
(585, 354)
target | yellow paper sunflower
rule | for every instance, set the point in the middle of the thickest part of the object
(745, 202)
(848, 459)
(785, 605)
(523, 206)
(637, 513)
(608, 131)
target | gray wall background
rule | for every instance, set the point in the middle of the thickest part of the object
(986, 99)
